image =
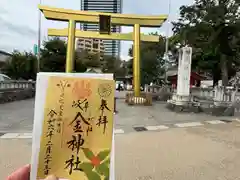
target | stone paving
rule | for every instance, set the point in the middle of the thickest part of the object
(152, 143)
(17, 117)
(21, 135)
(158, 116)
(201, 153)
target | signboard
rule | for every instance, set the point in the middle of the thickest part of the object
(104, 24)
(35, 49)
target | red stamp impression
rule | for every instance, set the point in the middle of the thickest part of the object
(82, 89)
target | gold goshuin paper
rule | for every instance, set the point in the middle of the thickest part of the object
(77, 129)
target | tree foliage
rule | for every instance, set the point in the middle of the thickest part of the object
(21, 66)
(211, 27)
(114, 65)
(151, 60)
(53, 55)
(89, 59)
(53, 59)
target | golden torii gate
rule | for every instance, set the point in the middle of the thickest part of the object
(105, 20)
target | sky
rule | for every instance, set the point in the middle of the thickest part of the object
(19, 20)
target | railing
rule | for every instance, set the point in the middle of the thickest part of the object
(203, 93)
(217, 94)
(159, 93)
(14, 85)
(157, 89)
(16, 90)
(227, 95)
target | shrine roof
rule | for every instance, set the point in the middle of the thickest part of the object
(173, 72)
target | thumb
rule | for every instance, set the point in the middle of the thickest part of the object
(51, 177)
(21, 174)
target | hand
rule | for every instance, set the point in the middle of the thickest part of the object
(21, 174)
(51, 177)
(24, 174)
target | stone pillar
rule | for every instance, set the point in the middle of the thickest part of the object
(219, 96)
(184, 73)
(146, 87)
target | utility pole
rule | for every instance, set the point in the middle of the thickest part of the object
(39, 38)
(166, 57)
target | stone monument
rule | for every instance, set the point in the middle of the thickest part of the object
(182, 99)
(222, 101)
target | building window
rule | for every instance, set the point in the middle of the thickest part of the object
(88, 45)
(95, 45)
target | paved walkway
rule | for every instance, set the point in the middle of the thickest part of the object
(152, 143)
(203, 153)
(208, 152)
(22, 135)
(17, 117)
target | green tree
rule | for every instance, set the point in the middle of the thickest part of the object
(211, 27)
(31, 66)
(129, 63)
(109, 64)
(114, 65)
(78, 64)
(21, 66)
(53, 55)
(89, 59)
(121, 70)
(151, 60)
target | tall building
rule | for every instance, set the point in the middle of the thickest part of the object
(112, 47)
(91, 45)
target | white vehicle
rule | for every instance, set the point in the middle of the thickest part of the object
(4, 77)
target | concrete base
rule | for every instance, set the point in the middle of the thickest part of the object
(195, 104)
(144, 99)
(180, 100)
(212, 110)
(137, 101)
(180, 103)
(183, 108)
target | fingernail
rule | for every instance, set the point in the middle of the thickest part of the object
(51, 177)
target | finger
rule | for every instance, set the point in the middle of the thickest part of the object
(51, 177)
(22, 173)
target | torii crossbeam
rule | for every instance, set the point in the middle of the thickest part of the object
(105, 20)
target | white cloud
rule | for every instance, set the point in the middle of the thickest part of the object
(19, 20)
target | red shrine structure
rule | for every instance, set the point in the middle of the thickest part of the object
(195, 78)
